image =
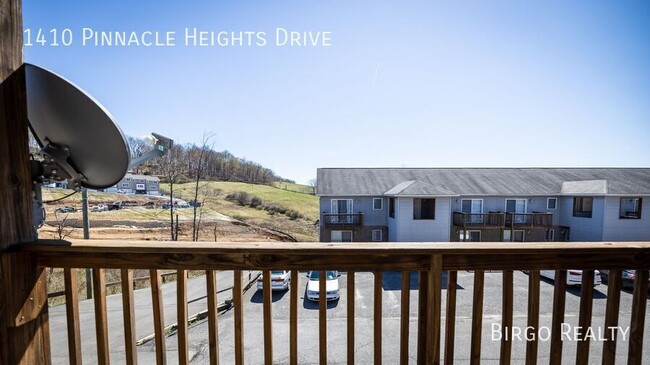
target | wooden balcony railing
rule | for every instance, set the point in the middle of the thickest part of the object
(479, 220)
(429, 259)
(529, 220)
(342, 219)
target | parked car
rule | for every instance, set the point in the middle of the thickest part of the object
(573, 277)
(100, 208)
(628, 277)
(115, 206)
(194, 203)
(331, 285)
(66, 209)
(280, 280)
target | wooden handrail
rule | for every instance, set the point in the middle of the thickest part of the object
(430, 259)
(344, 256)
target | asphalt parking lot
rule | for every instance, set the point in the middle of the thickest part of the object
(337, 319)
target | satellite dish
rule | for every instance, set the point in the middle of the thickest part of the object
(80, 140)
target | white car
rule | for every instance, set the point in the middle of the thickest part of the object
(280, 280)
(331, 285)
(573, 277)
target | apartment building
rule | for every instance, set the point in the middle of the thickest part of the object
(484, 204)
(137, 184)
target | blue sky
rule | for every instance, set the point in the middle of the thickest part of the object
(412, 83)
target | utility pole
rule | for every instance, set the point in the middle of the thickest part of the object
(24, 329)
(86, 224)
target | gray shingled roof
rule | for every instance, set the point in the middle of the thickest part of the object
(488, 181)
(417, 188)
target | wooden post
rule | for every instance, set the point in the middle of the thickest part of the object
(23, 295)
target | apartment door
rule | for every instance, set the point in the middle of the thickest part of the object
(517, 206)
(341, 236)
(470, 236)
(514, 236)
(474, 207)
(343, 210)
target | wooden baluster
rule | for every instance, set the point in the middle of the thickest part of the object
(450, 323)
(239, 315)
(434, 294)
(404, 318)
(477, 317)
(586, 304)
(268, 317)
(213, 328)
(639, 299)
(72, 313)
(559, 299)
(533, 316)
(293, 319)
(506, 317)
(181, 316)
(322, 317)
(158, 317)
(101, 319)
(422, 317)
(351, 297)
(377, 317)
(611, 316)
(128, 313)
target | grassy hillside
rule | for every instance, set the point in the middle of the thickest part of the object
(299, 188)
(215, 195)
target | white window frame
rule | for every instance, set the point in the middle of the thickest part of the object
(140, 186)
(126, 185)
(382, 203)
(467, 232)
(336, 211)
(342, 231)
(472, 200)
(523, 233)
(505, 207)
(381, 235)
(551, 234)
(548, 200)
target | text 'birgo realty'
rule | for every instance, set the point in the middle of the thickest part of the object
(189, 37)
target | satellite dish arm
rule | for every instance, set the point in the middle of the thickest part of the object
(161, 147)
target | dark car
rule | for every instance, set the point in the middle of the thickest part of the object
(628, 277)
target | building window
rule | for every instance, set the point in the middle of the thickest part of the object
(125, 185)
(630, 208)
(377, 235)
(517, 236)
(582, 207)
(341, 236)
(424, 209)
(550, 234)
(139, 186)
(470, 236)
(391, 207)
(377, 203)
(128, 179)
(551, 203)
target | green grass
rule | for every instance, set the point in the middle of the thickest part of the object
(299, 188)
(215, 193)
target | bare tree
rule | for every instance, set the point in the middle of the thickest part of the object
(172, 168)
(200, 160)
(61, 231)
(313, 184)
(137, 148)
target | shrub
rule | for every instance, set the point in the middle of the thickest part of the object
(256, 202)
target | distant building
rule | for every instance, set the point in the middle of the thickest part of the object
(137, 184)
(484, 204)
